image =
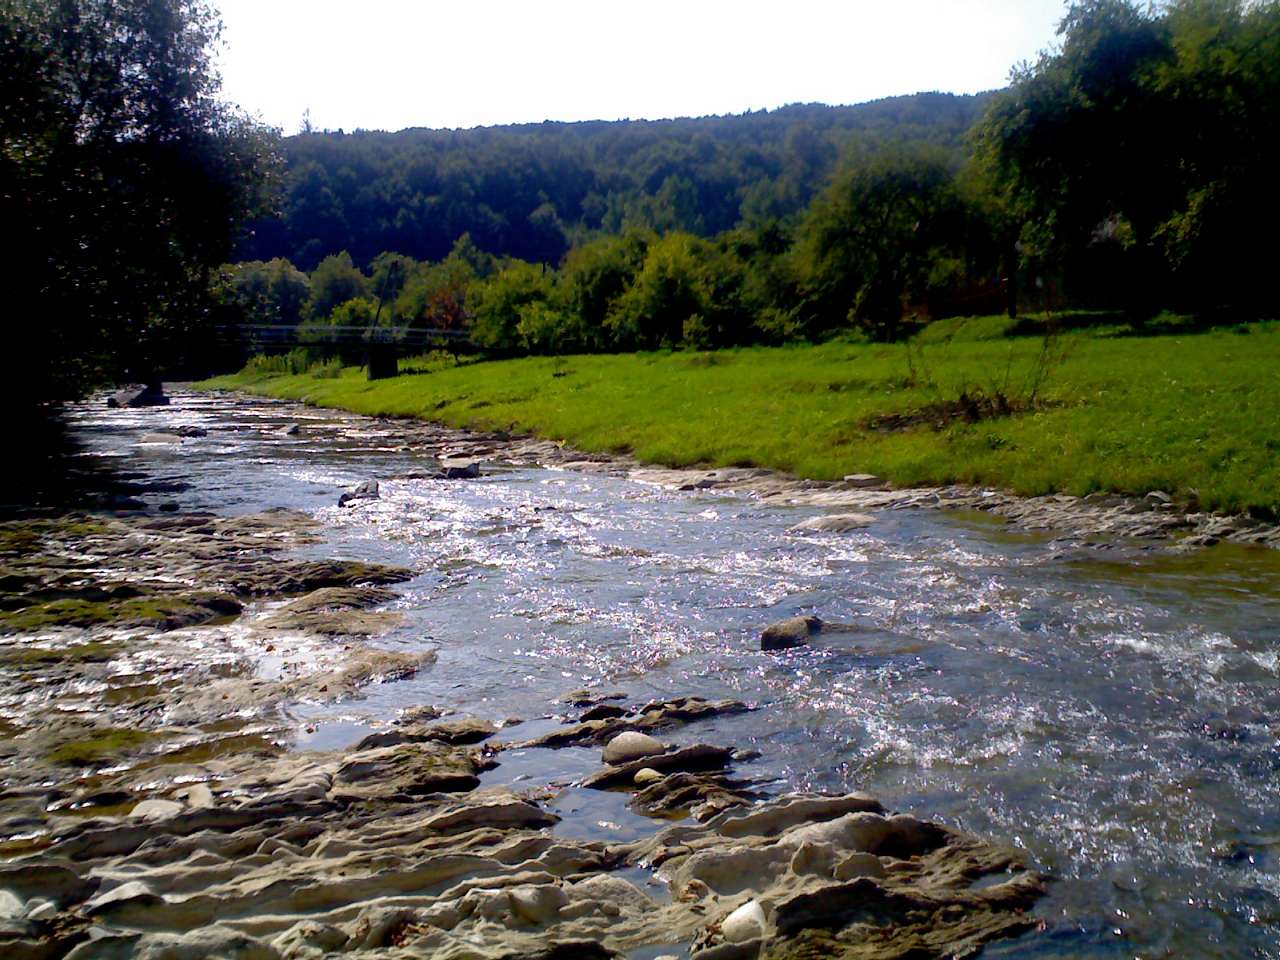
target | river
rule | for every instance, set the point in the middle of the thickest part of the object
(1111, 710)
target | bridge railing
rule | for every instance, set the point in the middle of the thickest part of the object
(304, 335)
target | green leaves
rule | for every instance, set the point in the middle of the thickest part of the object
(1140, 156)
(871, 242)
(129, 179)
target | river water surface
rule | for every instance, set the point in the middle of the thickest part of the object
(1113, 712)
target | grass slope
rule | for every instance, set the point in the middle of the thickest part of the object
(1196, 414)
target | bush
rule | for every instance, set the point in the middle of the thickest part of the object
(293, 362)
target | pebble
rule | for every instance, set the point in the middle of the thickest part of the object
(745, 923)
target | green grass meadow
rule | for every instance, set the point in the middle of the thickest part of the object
(1193, 413)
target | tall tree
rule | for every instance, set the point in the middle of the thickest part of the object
(335, 281)
(869, 243)
(1140, 155)
(127, 177)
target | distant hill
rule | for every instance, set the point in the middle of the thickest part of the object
(531, 190)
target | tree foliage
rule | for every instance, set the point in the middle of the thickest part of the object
(872, 241)
(335, 281)
(126, 177)
(275, 292)
(517, 294)
(534, 191)
(1139, 156)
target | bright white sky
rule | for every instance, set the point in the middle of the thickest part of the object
(390, 64)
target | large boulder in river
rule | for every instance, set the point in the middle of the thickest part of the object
(367, 490)
(139, 395)
(792, 632)
(459, 469)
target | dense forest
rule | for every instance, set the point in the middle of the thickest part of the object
(532, 191)
(1131, 166)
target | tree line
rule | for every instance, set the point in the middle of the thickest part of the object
(1131, 165)
(893, 231)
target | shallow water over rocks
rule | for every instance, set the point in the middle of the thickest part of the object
(1113, 711)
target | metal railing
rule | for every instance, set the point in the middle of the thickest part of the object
(287, 335)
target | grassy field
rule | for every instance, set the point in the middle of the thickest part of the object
(1196, 414)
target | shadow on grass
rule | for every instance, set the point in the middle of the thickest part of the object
(1116, 324)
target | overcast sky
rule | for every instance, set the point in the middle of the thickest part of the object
(390, 64)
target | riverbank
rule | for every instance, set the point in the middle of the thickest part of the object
(708, 400)
(1187, 414)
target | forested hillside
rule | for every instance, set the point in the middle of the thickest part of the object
(1131, 168)
(532, 191)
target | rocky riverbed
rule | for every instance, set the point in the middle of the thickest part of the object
(1098, 520)
(290, 682)
(149, 808)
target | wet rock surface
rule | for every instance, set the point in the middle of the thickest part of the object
(128, 643)
(139, 395)
(163, 818)
(651, 717)
(366, 490)
(789, 633)
(337, 611)
(397, 851)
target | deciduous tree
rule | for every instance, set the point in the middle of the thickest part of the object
(123, 181)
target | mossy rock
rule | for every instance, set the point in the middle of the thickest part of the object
(164, 611)
(22, 538)
(110, 743)
(23, 656)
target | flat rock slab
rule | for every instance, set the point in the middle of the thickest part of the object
(700, 756)
(701, 795)
(302, 576)
(585, 698)
(337, 611)
(451, 732)
(863, 481)
(407, 771)
(835, 523)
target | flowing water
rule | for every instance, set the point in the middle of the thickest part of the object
(1113, 712)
